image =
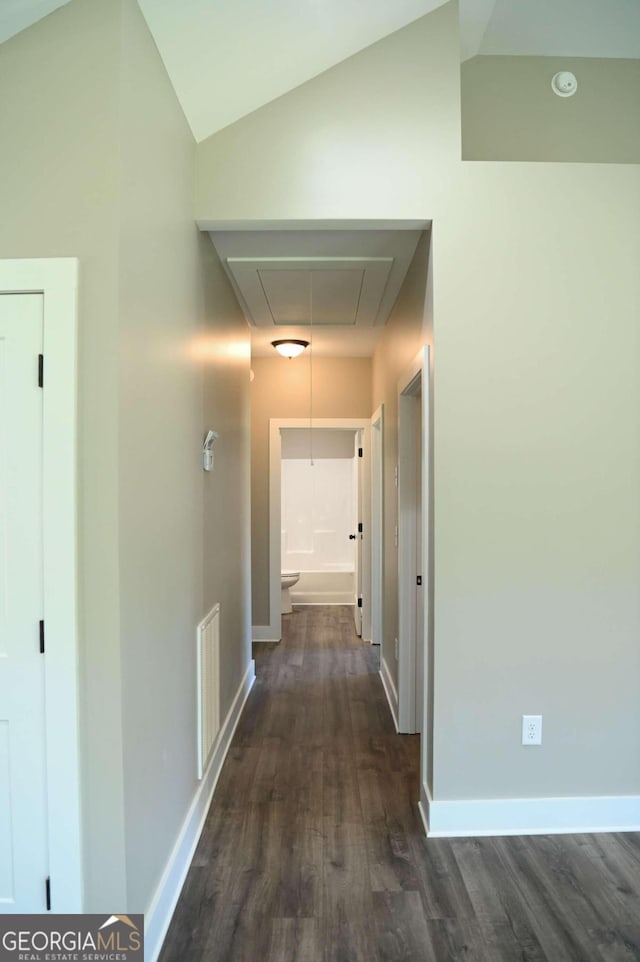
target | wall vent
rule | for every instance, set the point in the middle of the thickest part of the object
(208, 661)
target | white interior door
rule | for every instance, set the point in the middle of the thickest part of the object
(23, 790)
(377, 520)
(419, 587)
(357, 608)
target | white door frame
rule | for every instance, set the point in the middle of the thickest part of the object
(57, 280)
(358, 500)
(415, 377)
(377, 526)
(273, 631)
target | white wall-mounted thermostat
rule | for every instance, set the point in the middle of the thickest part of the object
(564, 83)
(207, 450)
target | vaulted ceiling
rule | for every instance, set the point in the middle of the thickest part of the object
(226, 58)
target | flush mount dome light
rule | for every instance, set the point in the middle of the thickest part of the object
(290, 348)
(564, 83)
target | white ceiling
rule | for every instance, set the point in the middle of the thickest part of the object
(226, 58)
(346, 281)
(549, 28)
(16, 15)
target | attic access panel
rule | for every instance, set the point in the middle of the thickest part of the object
(341, 291)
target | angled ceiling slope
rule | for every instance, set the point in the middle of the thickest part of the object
(343, 284)
(17, 15)
(226, 59)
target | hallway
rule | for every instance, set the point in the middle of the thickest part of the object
(313, 850)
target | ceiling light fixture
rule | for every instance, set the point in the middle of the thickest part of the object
(289, 347)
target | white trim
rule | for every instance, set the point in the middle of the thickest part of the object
(207, 687)
(204, 224)
(275, 487)
(424, 805)
(531, 816)
(263, 633)
(57, 280)
(159, 914)
(320, 598)
(389, 690)
(416, 375)
(377, 526)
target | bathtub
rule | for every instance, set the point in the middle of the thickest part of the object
(325, 588)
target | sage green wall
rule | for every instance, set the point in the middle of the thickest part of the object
(280, 389)
(537, 462)
(409, 328)
(184, 364)
(59, 113)
(381, 127)
(509, 111)
(98, 163)
(536, 296)
(226, 350)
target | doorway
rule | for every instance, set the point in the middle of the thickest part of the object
(413, 548)
(377, 525)
(24, 843)
(320, 516)
(40, 852)
(273, 632)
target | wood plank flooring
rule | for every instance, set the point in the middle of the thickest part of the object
(313, 849)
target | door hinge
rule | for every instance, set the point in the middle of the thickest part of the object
(360, 452)
(359, 602)
(47, 886)
(42, 637)
(359, 527)
(419, 580)
(40, 370)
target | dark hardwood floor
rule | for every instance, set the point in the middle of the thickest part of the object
(313, 849)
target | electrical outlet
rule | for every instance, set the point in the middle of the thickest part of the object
(396, 648)
(532, 729)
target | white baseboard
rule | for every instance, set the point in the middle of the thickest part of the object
(267, 633)
(159, 914)
(322, 598)
(423, 807)
(530, 816)
(390, 690)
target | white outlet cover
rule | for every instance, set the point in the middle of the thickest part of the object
(532, 729)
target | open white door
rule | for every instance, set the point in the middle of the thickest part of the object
(357, 473)
(24, 853)
(420, 575)
(377, 521)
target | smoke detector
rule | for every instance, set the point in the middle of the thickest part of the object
(564, 83)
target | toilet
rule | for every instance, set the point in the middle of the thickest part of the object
(287, 580)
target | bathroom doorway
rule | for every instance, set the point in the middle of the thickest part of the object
(333, 557)
(319, 516)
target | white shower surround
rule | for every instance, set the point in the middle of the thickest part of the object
(318, 515)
